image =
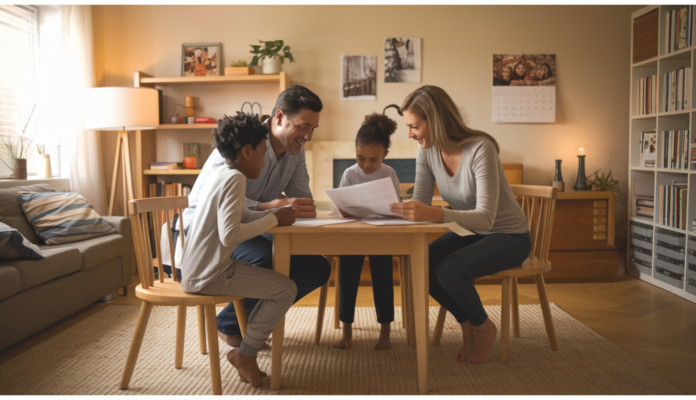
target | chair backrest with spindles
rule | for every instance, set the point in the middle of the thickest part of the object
(538, 204)
(146, 215)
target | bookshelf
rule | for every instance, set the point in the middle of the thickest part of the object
(662, 255)
(145, 144)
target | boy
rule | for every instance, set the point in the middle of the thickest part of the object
(221, 222)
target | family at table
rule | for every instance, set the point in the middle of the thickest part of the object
(236, 199)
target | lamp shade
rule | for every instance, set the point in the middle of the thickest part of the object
(121, 108)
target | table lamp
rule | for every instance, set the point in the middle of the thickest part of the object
(581, 181)
(121, 109)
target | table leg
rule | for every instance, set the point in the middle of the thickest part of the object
(419, 283)
(281, 265)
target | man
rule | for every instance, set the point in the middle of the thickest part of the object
(292, 124)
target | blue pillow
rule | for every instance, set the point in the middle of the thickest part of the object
(63, 217)
(15, 246)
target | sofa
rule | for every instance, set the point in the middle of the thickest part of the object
(35, 294)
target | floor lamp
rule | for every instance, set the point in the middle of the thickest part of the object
(121, 109)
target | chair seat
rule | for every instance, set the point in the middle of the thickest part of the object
(528, 268)
(170, 293)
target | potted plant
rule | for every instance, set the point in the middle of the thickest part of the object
(605, 183)
(13, 163)
(239, 67)
(269, 51)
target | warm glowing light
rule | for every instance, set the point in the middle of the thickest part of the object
(580, 150)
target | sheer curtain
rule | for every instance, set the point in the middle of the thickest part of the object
(85, 168)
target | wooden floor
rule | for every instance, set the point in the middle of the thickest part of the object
(643, 320)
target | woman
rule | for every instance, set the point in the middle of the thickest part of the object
(465, 164)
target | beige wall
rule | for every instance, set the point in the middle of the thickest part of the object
(591, 44)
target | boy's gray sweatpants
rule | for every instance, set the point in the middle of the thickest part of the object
(275, 291)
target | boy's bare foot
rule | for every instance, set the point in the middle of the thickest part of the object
(484, 336)
(247, 368)
(383, 343)
(467, 351)
(231, 340)
(346, 341)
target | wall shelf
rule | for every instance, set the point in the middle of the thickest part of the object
(187, 126)
(171, 172)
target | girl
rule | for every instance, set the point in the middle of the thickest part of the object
(465, 164)
(371, 146)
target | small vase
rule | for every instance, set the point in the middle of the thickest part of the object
(272, 65)
(13, 168)
(44, 170)
(558, 177)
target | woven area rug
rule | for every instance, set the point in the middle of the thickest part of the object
(88, 358)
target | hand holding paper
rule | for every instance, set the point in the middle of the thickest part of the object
(370, 198)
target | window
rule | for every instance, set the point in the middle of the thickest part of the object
(18, 68)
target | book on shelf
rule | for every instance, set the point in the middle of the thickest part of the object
(203, 120)
(645, 201)
(648, 149)
(677, 89)
(647, 95)
(192, 155)
(166, 165)
(676, 153)
(672, 205)
(679, 28)
(162, 189)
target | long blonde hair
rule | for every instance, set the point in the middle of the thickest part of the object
(447, 130)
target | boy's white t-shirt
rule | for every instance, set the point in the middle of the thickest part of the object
(354, 175)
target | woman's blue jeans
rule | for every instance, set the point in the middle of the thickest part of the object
(455, 261)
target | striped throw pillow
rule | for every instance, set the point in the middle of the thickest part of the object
(15, 246)
(63, 217)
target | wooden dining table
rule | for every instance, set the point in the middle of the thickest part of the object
(358, 238)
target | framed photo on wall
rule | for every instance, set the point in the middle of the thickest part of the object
(201, 59)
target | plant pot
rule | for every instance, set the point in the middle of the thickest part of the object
(272, 66)
(239, 71)
(13, 168)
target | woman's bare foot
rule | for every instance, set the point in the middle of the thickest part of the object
(345, 342)
(383, 343)
(231, 340)
(247, 368)
(467, 351)
(484, 336)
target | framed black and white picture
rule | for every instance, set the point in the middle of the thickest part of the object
(402, 59)
(359, 78)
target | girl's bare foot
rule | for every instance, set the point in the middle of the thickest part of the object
(383, 342)
(247, 368)
(484, 336)
(345, 342)
(468, 347)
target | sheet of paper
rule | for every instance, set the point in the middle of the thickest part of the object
(370, 198)
(321, 221)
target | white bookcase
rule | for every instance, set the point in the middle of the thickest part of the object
(653, 247)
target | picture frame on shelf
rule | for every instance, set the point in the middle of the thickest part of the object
(201, 59)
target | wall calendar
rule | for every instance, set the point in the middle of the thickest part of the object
(524, 88)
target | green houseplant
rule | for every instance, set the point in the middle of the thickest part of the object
(270, 50)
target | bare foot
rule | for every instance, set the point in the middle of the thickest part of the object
(231, 340)
(467, 351)
(247, 368)
(383, 342)
(484, 336)
(346, 341)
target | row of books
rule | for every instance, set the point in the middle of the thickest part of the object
(676, 149)
(648, 149)
(672, 205)
(645, 206)
(166, 165)
(161, 189)
(647, 95)
(677, 93)
(679, 29)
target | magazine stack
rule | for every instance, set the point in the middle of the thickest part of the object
(647, 95)
(645, 206)
(677, 92)
(640, 250)
(679, 28)
(672, 209)
(648, 149)
(669, 257)
(676, 153)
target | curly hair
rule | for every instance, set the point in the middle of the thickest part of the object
(233, 133)
(376, 129)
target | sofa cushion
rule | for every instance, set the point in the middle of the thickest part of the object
(14, 246)
(63, 217)
(56, 263)
(12, 214)
(9, 281)
(95, 251)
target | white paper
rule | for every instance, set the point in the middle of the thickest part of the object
(365, 199)
(320, 221)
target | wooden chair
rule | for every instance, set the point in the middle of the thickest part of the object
(538, 204)
(145, 217)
